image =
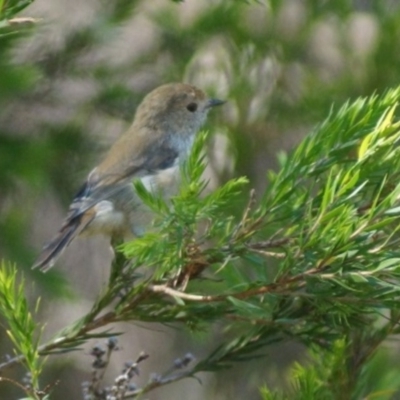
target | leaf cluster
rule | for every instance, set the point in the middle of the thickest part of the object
(22, 329)
(315, 259)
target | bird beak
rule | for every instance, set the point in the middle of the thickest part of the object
(214, 103)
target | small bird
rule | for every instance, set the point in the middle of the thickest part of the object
(151, 150)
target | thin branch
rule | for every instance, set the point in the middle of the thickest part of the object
(242, 224)
(23, 388)
(273, 287)
(161, 381)
(268, 244)
(23, 20)
(99, 322)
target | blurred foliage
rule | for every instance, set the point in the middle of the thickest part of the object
(330, 374)
(23, 330)
(69, 80)
(8, 8)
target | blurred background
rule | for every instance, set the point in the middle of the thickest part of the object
(69, 86)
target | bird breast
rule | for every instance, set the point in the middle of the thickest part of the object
(124, 214)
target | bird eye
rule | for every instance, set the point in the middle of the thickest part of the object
(192, 107)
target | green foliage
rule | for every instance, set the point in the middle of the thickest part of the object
(336, 202)
(22, 330)
(315, 258)
(320, 253)
(8, 10)
(323, 379)
(327, 375)
(177, 236)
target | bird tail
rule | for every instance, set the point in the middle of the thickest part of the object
(53, 250)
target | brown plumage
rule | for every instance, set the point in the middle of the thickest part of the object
(159, 138)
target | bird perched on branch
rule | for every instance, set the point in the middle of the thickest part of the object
(158, 140)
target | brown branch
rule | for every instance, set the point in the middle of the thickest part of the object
(268, 244)
(273, 287)
(12, 381)
(112, 316)
(198, 265)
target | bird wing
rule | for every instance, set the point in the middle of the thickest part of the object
(101, 185)
(125, 161)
